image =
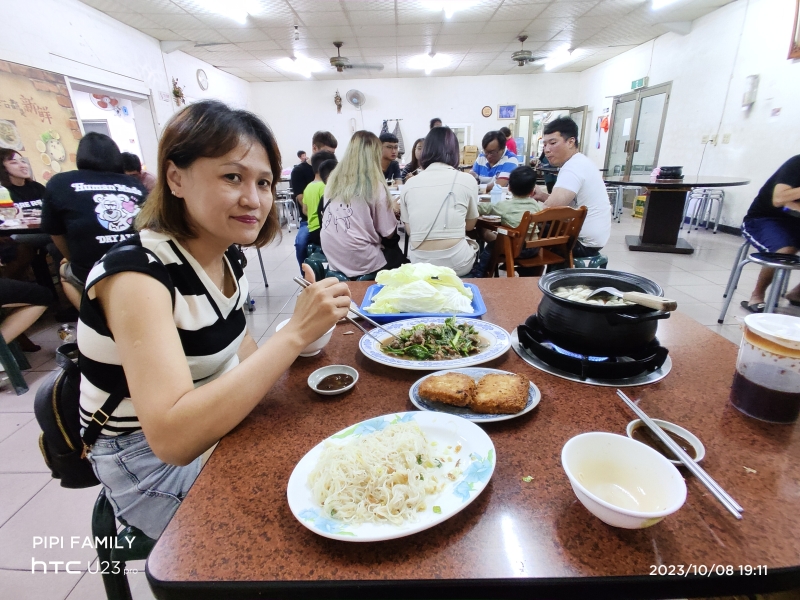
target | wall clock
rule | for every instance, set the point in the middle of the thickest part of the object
(486, 111)
(202, 79)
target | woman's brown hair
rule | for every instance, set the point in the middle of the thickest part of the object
(207, 129)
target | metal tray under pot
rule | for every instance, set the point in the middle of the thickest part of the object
(594, 329)
(647, 359)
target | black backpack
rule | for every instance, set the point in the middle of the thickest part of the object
(57, 409)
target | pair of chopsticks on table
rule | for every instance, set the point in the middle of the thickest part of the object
(725, 499)
(354, 309)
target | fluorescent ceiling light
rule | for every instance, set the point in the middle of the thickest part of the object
(300, 65)
(450, 6)
(233, 9)
(429, 62)
(560, 57)
(662, 3)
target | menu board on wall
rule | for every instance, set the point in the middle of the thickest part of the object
(37, 119)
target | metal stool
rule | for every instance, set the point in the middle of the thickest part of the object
(783, 264)
(130, 544)
(14, 362)
(703, 199)
(288, 209)
(736, 272)
(615, 198)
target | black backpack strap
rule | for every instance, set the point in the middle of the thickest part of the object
(321, 208)
(101, 416)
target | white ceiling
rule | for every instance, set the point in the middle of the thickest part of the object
(479, 40)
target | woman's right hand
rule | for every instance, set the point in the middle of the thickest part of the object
(319, 307)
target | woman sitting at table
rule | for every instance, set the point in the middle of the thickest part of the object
(25, 249)
(358, 224)
(439, 205)
(413, 167)
(162, 318)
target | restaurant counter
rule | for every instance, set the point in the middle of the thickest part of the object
(234, 535)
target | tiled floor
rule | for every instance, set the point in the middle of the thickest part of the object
(33, 504)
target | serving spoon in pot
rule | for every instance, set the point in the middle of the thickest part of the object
(648, 300)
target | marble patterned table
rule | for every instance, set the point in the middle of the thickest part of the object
(234, 536)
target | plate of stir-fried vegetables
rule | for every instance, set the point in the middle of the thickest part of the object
(435, 343)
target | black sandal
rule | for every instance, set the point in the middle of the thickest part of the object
(757, 307)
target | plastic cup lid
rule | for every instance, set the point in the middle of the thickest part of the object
(781, 329)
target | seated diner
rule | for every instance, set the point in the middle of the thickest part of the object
(162, 316)
(438, 206)
(578, 184)
(495, 163)
(359, 229)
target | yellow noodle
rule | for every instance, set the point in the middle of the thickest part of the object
(386, 476)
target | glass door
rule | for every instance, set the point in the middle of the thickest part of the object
(617, 151)
(637, 126)
(649, 127)
(579, 116)
(530, 126)
(523, 128)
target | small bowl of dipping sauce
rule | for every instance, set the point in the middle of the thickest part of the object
(333, 379)
(688, 442)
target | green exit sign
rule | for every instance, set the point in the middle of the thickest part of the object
(639, 83)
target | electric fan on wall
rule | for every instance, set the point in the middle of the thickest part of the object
(356, 99)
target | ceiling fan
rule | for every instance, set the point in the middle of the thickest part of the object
(523, 57)
(342, 62)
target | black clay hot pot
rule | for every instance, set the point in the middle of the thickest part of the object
(594, 329)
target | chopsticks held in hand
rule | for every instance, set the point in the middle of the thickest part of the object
(354, 309)
(733, 507)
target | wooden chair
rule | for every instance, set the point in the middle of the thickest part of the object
(555, 233)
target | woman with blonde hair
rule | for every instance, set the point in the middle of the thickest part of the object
(168, 366)
(358, 224)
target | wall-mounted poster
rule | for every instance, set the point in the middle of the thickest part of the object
(37, 119)
(507, 112)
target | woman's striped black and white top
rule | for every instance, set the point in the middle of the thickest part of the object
(211, 326)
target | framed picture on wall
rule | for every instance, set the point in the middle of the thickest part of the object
(507, 112)
(794, 49)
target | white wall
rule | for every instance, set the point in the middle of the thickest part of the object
(69, 37)
(221, 85)
(295, 110)
(122, 126)
(700, 66)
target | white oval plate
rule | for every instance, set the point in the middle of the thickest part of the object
(498, 344)
(446, 430)
(534, 396)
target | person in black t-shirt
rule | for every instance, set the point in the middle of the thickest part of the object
(301, 176)
(389, 148)
(89, 210)
(772, 224)
(26, 249)
(15, 176)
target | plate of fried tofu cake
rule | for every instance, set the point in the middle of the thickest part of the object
(476, 394)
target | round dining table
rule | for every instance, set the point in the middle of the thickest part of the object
(525, 535)
(663, 210)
